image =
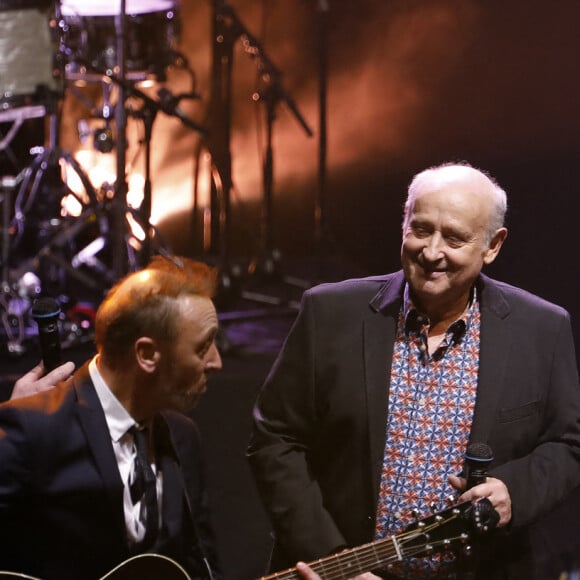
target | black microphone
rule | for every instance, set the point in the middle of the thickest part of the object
(477, 459)
(45, 312)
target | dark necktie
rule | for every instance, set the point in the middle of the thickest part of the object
(143, 487)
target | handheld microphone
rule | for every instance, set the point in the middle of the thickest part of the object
(477, 459)
(45, 312)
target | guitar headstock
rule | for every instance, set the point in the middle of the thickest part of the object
(452, 529)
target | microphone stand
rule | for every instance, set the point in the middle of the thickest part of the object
(119, 202)
(225, 33)
(229, 26)
(168, 104)
(320, 226)
(271, 97)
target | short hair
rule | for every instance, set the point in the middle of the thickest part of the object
(145, 303)
(497, 218)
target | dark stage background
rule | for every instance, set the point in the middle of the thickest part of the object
(411, 83)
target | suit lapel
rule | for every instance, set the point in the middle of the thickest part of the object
(496, 342)
(173, 485)
(379, 337)
(94, 425)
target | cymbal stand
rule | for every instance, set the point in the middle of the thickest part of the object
(123, 258)
(119, 201)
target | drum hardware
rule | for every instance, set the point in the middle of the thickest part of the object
(168, 104)
(52, 240)
(15, 299)
(45, 241)
(17, 118)
(93, 249)
(42, 188)
(121, 43)
(102, 137)
(30, 82)
(14, 315)
(8, 185)
(118, 204)
(130, 13)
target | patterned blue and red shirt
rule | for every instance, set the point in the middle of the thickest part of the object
(431, 404)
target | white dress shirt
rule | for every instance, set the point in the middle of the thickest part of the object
(119, 422)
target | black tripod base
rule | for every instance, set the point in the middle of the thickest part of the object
(259, 281)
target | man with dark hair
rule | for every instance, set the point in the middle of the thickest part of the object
(364, 421)
(105, 466)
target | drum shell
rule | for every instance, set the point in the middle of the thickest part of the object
(28, 49)
(150, 40)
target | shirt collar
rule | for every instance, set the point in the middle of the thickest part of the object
(118, 419)
(416, 321)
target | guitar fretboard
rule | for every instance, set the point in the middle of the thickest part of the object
(439, 532)
(348, 563)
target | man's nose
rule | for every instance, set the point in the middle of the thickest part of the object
(432, 250)
(214, 359)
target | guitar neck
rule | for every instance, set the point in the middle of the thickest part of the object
(348, 563)
(443, 531)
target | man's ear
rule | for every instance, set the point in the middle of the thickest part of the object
(147, 354)
(495, 245)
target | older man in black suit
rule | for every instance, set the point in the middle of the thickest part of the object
(383, 382)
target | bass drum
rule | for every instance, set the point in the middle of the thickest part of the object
(89, 36)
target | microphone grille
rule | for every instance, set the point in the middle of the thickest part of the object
(45, 307)
(479, 452)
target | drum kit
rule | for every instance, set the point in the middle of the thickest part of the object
(48, 49)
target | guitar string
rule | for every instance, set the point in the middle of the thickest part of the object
(379, 556)
(375, 554)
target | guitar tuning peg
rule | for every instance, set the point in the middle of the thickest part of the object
(415, 514)
(433, 507)
(451, 500)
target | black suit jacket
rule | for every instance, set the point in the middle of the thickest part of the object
(320, 420)
(61, 495)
